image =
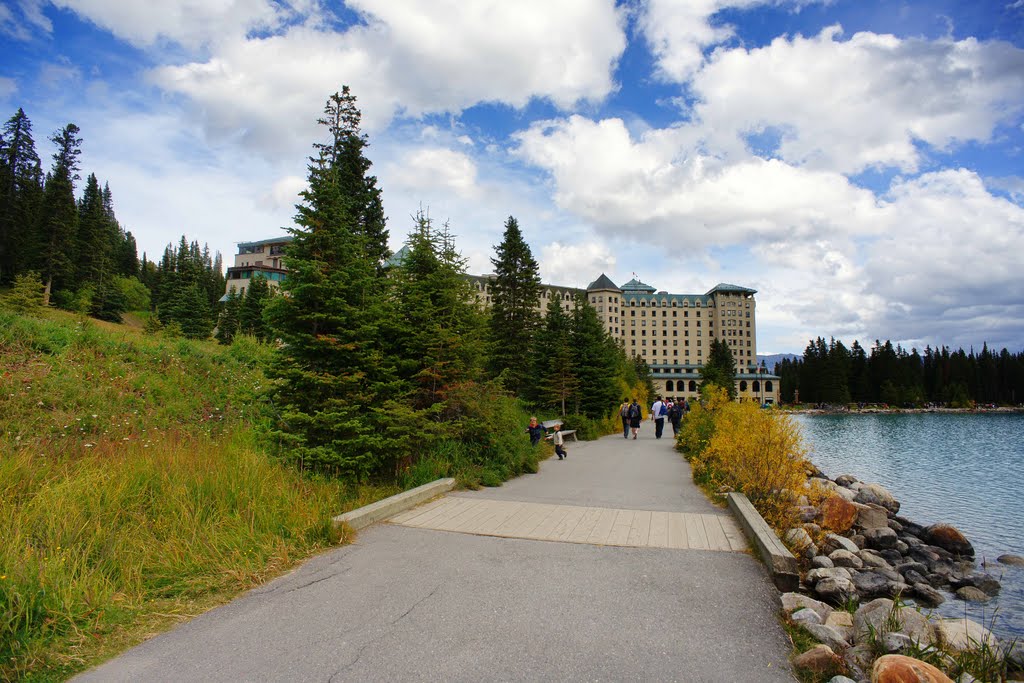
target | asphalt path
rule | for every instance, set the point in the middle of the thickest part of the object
(409, 604)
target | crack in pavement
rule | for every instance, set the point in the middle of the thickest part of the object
(282, 590)
(383, 633)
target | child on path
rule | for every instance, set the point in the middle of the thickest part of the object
(535, 430)
(559, 445)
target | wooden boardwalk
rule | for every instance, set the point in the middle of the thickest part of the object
(574, 524)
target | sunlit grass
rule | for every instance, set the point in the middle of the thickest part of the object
(134, 491)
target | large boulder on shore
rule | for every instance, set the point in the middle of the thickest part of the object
(963, 634)
(903, 669)
(871, 516)
(800, 542)
(836, 591)
(949, 538)
(836, 542)
(881, 538)
(926, 596)
(837, 514)
(879, 495)
(791, 602)
(983, 582)
(820, 659)
(879, 616)
(871, 585)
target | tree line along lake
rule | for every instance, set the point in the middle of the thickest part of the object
(961, 469)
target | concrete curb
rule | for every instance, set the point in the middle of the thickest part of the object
(776, 556)
(382, 509)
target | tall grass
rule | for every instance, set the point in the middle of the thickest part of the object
(132, 485)
(91, 543)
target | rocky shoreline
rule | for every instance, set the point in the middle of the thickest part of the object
(855, 549)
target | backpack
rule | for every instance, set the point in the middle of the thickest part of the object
(624, 410)
(663, 411)
(634, 411)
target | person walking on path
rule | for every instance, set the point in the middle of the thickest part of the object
(559, 444)
(624, 414)
(675, 414)
(658, 412)
(635, 415)
(535, 430)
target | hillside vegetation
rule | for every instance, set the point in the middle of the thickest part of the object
(134, 489)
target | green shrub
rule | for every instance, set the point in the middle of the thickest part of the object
(26, 295)
(587, 429)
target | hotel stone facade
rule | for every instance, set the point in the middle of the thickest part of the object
(671, 332)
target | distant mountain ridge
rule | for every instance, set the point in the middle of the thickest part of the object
(771, 359)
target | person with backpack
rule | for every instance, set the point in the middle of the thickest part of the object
(675, 415)
(635, 415)
(624, 414)
(658, 413)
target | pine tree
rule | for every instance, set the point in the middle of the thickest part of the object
(251, 308)
(333, 380)
(515, 297)
(555, 379)
(441, 340)
(94, 239)
(720, 368)
(228, 324)
(21, 192)
(56, 238)
(595, 359)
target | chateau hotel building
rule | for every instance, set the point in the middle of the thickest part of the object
(671, 332)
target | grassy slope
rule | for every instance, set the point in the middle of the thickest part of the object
(133, 492)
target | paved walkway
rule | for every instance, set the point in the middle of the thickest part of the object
(607, 566)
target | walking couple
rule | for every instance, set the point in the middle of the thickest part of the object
(631, 416)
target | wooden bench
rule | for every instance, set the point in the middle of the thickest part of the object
(556, 424)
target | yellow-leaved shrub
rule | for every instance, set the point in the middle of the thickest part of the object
(757, 452)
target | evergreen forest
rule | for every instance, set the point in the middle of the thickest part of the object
(62, 245)
(830, 373)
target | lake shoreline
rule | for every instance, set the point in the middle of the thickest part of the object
(932, 467)
(845, 410)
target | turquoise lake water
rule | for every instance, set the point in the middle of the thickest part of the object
(964, 470)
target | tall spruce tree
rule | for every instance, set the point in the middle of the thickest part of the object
(441, 342)
(555, 379)
(228, 322)
(332, 378)
(21, 193)
(56, 238)
(251, 308)
(595, 359)
(95, 237)
(515, 298)
(720, 368)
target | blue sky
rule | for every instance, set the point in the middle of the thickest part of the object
(859, 163)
